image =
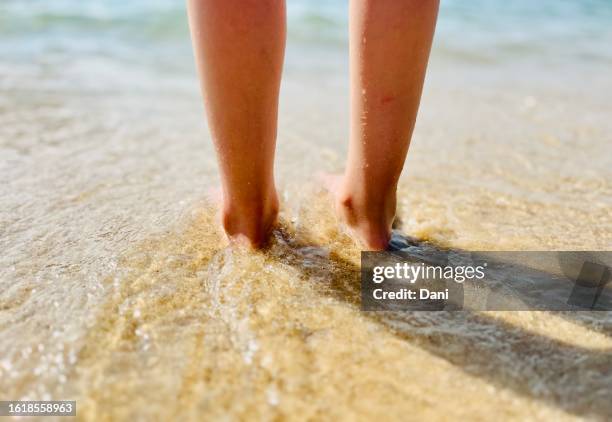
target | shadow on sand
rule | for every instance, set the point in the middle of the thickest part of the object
(575, 379)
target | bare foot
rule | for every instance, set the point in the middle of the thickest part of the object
(368, 217)
(247, 222)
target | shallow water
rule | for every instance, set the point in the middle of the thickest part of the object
(116, 288)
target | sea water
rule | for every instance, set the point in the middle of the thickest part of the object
(116, 288)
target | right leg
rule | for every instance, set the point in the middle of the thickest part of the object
(389, 48)
(239, 47)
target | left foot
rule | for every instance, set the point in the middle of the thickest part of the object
(250, 222)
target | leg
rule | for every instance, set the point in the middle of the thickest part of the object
(390, 42)
(239, 47)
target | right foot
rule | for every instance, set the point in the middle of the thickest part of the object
(369, 218)
(250, 222)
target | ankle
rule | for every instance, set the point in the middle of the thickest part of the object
(250, 219)
(368, 216)
(377, 208)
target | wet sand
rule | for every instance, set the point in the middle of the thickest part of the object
(117, 291)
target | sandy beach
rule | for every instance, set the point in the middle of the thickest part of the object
(117, 289)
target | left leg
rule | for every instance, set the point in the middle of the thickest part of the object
(239, 47)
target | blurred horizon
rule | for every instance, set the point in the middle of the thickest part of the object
(480, 31)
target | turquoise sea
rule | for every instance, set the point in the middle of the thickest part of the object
(478, 31)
